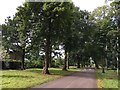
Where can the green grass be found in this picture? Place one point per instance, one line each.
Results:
(109, 79)
(30, 77)
(0, 80)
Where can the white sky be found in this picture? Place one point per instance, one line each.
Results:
(88, 4)
(8, 7)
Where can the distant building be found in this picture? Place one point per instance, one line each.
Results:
(15, 55)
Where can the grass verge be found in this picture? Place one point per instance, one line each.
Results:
(30, 77)
(109, 79)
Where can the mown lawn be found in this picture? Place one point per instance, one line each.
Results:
(30, 77)
(109, 79)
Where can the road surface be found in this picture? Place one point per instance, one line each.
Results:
(82, 79)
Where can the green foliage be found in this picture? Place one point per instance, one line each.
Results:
(40, 28)
(57, 62)
(33, 63)
(105, 34)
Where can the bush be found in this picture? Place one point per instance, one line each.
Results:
(34, 63)
(56, 63)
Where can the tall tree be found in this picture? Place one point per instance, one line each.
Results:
(55, 16)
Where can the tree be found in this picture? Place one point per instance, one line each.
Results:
(105, 23)
(17, 33)
(81, 34)
(22, 19)
(54, 16)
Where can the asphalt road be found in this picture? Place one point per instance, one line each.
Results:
(83, 79)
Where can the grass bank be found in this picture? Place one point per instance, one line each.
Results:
(30, 77)
(109, 79)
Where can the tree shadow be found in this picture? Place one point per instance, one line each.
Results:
(61, 72)
(52, 72)
(109, 74)
(83, 74)
(34, 71)
(18, 76)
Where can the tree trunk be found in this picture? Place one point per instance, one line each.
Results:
(78, 65)
(65, 62)
(78, 61)
(106, 63)
(96, 64)
(23, 59)
(47, 58)
(50, 60)
(103, 69)
(47, 49)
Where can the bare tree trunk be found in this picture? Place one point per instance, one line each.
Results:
(68, 60)
(106, 63)
(50, 60)
(78, 61)
(47, 49)
(23, 59)
(96, 64)
(103, 65)
(46, 63)
(78, 64)
(103, 69)
(65, 62)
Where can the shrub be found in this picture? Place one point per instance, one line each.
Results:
(34, 63)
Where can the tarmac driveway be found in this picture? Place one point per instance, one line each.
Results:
(82, 79)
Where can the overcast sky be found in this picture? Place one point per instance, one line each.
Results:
(8, 7)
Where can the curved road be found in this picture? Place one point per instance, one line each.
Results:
(83, 79)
